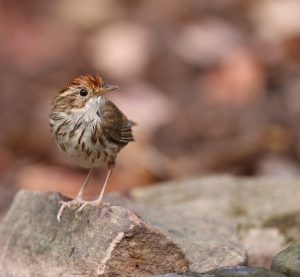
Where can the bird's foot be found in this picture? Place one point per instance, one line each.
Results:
(94, 203)
(72, 204)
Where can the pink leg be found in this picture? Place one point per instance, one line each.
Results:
(98, 201)
(78, 200)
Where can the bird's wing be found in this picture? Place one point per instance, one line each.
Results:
(115, 125)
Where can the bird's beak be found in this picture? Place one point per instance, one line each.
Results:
(107, 88)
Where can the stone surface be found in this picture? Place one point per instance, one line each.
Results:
(208, 244)
(239, 271)
(108, 241)
(255, 204)
(288, 261)
(187, 274)
(241, 199)
(261, 243)
(288, 224)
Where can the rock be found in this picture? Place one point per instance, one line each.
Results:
(208, 244)
(287, 261)
(261, 244)
(187, 274)
(252, 203)
(288, 224)
(108, 241)
(245, 200)
(239, 271)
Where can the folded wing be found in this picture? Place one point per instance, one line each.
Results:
(115, 125)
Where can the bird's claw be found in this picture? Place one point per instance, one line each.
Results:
(94, 203)
(67, 204)
(78, 202)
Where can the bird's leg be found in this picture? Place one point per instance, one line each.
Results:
(98, 201)
(78, 200)
(80, 193)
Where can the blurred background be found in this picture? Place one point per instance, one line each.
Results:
(213, 85)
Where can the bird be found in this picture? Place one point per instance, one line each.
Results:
(89, 129)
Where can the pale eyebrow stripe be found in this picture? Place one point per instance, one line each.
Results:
(67, 92)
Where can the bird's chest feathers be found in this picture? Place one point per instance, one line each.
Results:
(79, 134)
(80, 125)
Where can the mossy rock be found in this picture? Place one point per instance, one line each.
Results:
(288, 261)
(288, 224)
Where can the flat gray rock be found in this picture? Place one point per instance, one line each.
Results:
(239, 271)
(288, 261)
(246, 200)
(265, 209)
(208, 244)
(108, 241)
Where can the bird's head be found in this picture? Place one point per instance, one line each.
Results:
(79, 91)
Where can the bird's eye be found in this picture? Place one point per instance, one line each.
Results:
(83, 92)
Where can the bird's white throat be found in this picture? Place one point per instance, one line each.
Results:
(91, 110)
